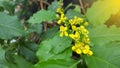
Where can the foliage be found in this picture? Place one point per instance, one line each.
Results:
(30, 34)
(102, 11)
(42, 15)
(10, 27)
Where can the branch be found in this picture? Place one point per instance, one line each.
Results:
(82, 7)
(46, 3)
(41, 4)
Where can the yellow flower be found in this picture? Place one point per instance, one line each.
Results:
(79, 44)
(78, 51)
(59, 22)
(74, 27)
(59, 10)
(63, 31)
(86, 40)
(83, 30)
(82, 27)
(75, 36)
(80, 20)
(79, 33)
(62, 18)
(71, 22)
(90, 53)
(86, 24)
(73, 48)
(86, 49)
(58, 16)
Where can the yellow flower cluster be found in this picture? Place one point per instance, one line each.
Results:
(75, 29)
(61, 16)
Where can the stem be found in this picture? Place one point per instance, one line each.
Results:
(75, 63)
(41, 4)
(46, 3)
(82, 7)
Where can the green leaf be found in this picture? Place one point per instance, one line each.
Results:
(8, 5)
(35, 28)
(74, 12)
(3, 63)
(10, 27)
(53, 7)
(28, 50)
(42, 15)
(101, 35)
(77, 8)
(56, 53)
(57, 64)
(20, 62)
(105, 56)
(49, 33)
(51, 47)
(1, 1)
(101, 11)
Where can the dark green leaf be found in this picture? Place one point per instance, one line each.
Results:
(28, 50)
(49, 33)
(10, 27)
(35, 28)
(20, 62)
(8, 5)
(3, 63)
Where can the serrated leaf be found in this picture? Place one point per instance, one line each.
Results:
(52, 47)
(42, 15)
(105, 56)
(102, 34)
(10, 27)
(53, 7)
(101, 11)
(56, 53)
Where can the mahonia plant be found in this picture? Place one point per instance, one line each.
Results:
(76, 30)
